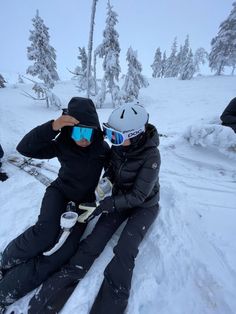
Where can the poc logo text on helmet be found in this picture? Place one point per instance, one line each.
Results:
(134, 133)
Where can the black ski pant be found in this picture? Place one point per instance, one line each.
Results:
(41, 236)
(23, 264)
(114, 291)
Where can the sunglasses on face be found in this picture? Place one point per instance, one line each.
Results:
(117, 138)
(80, 132)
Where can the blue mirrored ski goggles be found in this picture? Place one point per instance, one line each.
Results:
(82, 132)
(117, 138)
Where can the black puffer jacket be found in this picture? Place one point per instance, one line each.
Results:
(134, 171)
(80, 167)
(228, 117)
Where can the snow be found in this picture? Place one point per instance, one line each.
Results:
(212, 135)
(186, 263)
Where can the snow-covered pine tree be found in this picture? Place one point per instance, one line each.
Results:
(188, 68)
(83, 59)
(101, 96)
(157, 64)
(223, 46)
(200, 57)
(183, 57)
(43, 55)
(172, 66)
(134, 80)
(2, 81)
(163, 65)
(109, 50)
(81, 70)
(179, 59)
(81, 73)
(82, 67)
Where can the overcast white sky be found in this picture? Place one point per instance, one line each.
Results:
(143, 24)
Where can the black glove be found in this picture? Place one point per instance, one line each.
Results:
(107, 205)
(3, 176)
(94, 209)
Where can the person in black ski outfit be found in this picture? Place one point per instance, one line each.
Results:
(134, 172)
(228, 116)
(76, 139)
(3, 175)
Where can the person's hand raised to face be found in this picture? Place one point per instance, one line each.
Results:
(64, 120)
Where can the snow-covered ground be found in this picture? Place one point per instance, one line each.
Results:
(187, 262)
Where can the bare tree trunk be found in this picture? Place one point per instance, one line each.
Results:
(95, 73)
(90, 46)
(233, 69)
(47, 101)
(220, 68)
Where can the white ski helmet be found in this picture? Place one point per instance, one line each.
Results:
(128, 117)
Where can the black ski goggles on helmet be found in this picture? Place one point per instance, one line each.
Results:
(116, 137)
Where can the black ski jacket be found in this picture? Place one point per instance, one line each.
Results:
(228, 117)
(134, 171)
(80, 167)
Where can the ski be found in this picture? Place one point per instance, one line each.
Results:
(30, 169)
(36, 163)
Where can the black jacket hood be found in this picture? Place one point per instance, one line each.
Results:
(152, 135)
(83, 109)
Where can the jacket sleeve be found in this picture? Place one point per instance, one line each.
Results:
(108, 168)
(39, 142)
(108, 171)
(143, 186)
(229, 114)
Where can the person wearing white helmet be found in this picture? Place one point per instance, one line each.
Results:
(134, 174)
(125, 123)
